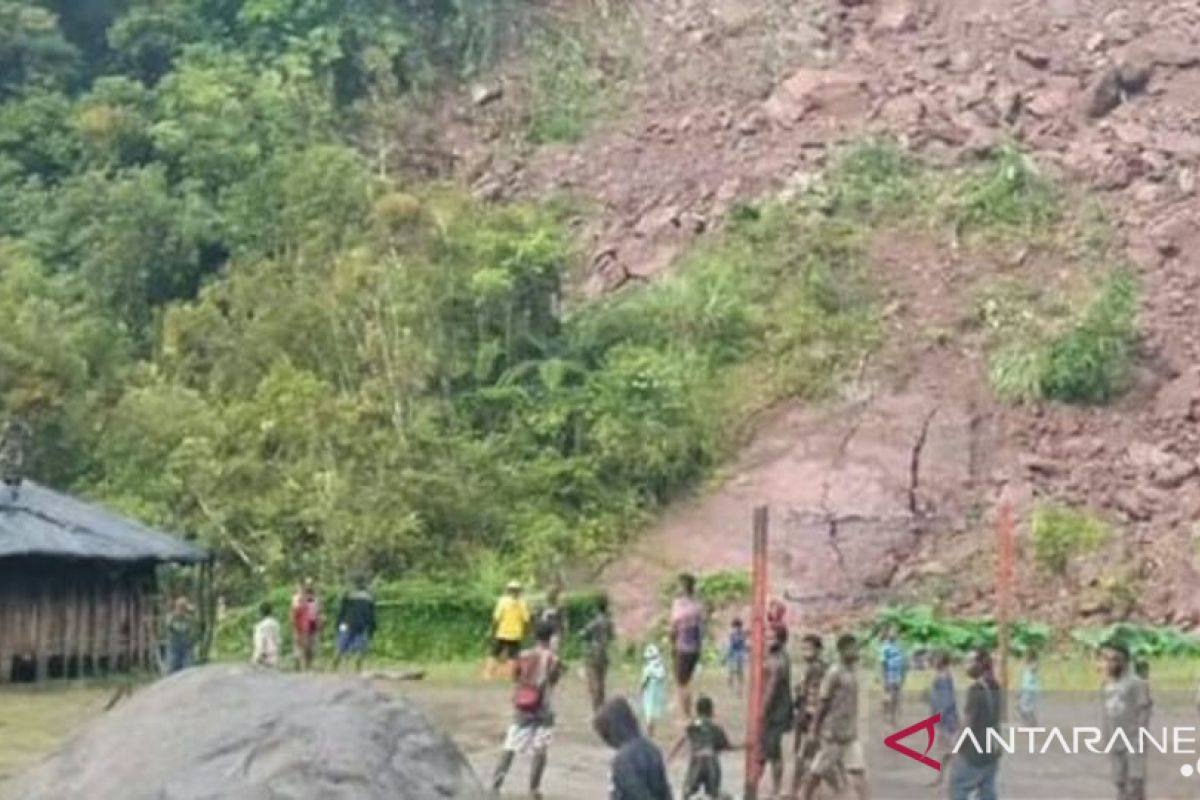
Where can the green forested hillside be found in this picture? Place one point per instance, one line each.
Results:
(216, 314)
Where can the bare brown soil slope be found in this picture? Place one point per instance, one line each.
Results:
(894, 488)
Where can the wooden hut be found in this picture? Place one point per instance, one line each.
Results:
(78, 586)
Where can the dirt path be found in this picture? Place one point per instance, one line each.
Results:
(578, 767)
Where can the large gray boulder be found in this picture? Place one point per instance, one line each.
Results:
(237, 733)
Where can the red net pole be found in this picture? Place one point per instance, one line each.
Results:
(1005, 548)
(758, 649)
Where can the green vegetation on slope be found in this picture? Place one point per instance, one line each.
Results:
(218, 316)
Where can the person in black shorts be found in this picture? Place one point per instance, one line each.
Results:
(777, 711)
(687, 635)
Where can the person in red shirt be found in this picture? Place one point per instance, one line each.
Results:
(306, 623)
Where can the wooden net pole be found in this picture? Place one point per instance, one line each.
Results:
(758, 642)
(1004, 578)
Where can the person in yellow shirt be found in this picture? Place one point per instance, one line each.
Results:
(510, 620)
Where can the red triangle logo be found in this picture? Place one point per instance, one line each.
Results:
(893, 742)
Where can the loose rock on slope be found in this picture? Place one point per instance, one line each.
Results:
(236, 733)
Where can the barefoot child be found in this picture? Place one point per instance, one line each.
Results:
(736, 653)
(706, 741)
(653, 688)
(1031, 688)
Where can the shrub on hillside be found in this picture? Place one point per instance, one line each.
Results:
(1061, 533)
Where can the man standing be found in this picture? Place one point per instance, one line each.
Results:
(509, 621)
(976, 766)
(807, 701)
(552, 614)
(687, 635)
(777, 706)
(306, 624)
(837, 726)
(1126, 708)
(597, 635)
(894, 664)
(355, 624)
(537, 673)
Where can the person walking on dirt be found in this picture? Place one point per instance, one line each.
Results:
(1031, 690)
(687, 635)
(537, 673)
(306, 624)
(553, 615)
(597, 637)
(509, 623)
(777, 707)
(355, 624)
(944, 702)
(837, 726)
(266, 639)
(181, 624)
(1126, 708)
(893, 662)
(807, 696)
(638, 771)
(706, 740)
(976, 767)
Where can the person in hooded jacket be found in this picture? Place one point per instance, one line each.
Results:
(638, 769)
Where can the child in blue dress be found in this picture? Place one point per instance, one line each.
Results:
(653, 688)
(1031, 688)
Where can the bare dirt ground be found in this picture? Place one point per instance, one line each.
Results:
(740, 99)
(476, 715)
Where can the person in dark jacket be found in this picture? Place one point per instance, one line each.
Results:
(638, 770)
(355, 624)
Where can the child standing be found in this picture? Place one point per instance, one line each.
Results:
(942, 701)
(266, 639)
(653, 688)
(706, 741)
(737, 652)
(1031, 687)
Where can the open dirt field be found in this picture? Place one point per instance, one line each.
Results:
(32, 722)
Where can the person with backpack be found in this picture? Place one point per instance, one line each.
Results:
(537, 672)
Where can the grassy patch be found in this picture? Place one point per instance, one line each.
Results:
(576, 76)
(1007, 195)
(1049, 350)
(1061, 533)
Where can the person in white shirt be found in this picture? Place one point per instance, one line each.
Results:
(266, 639)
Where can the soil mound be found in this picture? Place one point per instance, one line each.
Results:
(237, 733)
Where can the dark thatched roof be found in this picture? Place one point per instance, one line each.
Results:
(42, 522)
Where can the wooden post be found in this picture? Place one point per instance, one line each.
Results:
(9, 629)
(1004, 577)
(41, 644)
(70, 622)
(758, 641)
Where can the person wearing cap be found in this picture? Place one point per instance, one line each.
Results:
(510, 620)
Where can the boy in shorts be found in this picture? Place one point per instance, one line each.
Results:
(537, 673)
(706, 741)
(837, 726)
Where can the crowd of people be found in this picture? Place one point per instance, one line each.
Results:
(819, 711)
(814, 700)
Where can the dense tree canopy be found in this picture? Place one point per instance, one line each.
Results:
(216, 315)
